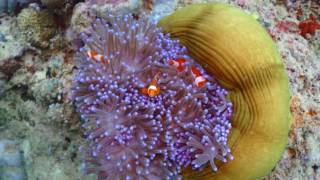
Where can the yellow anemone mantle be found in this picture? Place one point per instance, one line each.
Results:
(239, 53)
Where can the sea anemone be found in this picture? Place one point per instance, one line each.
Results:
(148, 108)
(239, 52)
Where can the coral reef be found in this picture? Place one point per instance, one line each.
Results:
(134, 89)
(147, 4)
(43, 131)
(9, 67)
(36, 26)
(162, 8)
(55, 3)
(7, 6)
(9, 42)
(4, 116)
(102, 2)
(10, 61)
(3, 84)
(46, 127)
(85, 13)
(300, 57)
(11, 161)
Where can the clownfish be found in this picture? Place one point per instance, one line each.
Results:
(179, 64)
(152, 89)
(97, 57)
(199, 80)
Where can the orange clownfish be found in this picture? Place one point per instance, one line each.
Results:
(153, 89)
(179, 63)
(199, 80)
(97, 57)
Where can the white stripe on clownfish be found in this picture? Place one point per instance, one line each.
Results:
(97, 57)
(178, 63)
(152, 89)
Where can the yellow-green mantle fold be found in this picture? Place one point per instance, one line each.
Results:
(239, 53)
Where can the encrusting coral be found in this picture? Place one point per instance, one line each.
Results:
(149, 109)
(241, 55)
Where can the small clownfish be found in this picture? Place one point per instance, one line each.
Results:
(97, 57)
(153, 89)
(179, 64)
(199, 80)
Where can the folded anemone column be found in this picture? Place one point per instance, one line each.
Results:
(236, 50)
